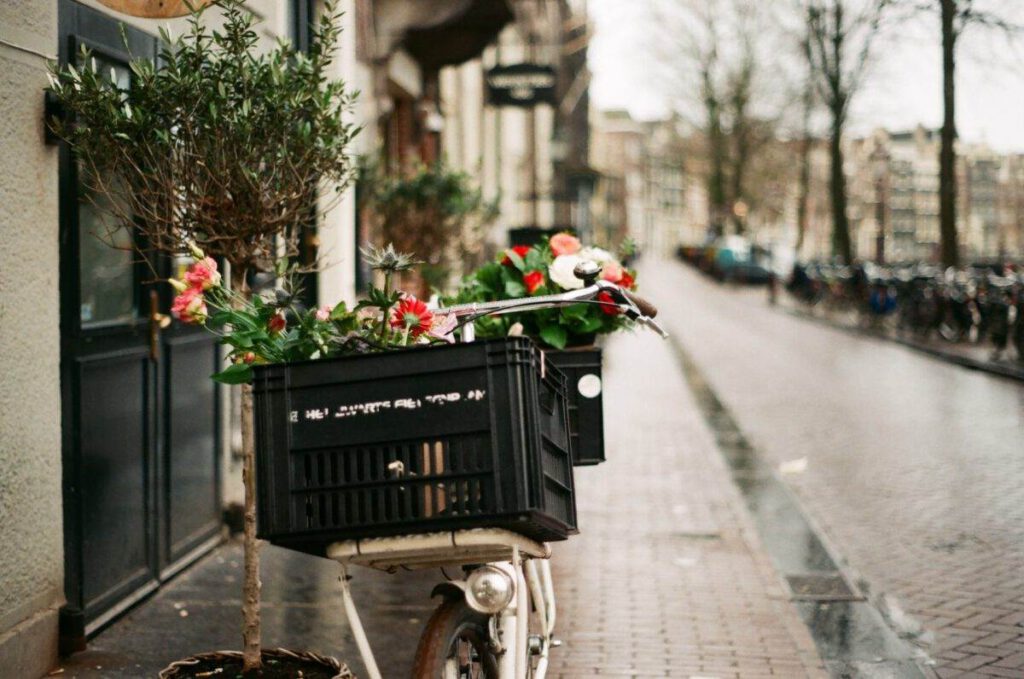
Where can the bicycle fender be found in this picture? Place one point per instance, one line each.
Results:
(453, 589)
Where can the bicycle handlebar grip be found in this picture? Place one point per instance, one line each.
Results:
(645, 307)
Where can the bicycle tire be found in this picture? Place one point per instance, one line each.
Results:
(451, 622)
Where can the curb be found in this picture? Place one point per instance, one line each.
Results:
(1005, 371)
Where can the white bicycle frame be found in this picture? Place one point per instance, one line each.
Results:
(524, 560)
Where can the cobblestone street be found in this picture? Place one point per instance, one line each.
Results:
(666, 579)
(910, 465)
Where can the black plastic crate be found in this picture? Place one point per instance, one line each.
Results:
(582, 368)
(420, 440)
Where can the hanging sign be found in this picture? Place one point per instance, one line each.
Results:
(521, 85)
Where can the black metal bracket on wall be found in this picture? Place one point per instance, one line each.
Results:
(52, 110)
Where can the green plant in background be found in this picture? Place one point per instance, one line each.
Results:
(547, 268)
(432, 210)
(223, 147)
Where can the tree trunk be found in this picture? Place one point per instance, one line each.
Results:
(716, 188)
(804, 189)
(841, 245)
(804, 181)
(251, 650)
(949, 251)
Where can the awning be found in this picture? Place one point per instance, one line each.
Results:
(459, 38)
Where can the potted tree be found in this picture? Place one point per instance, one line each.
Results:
(223, 151)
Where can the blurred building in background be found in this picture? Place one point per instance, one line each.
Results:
(427, 73)
(894, 195)
(619, 154)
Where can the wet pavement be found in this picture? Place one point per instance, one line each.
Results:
(912, 468)
(851, 635)
(668, 577)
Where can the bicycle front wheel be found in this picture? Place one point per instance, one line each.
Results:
(454, 645)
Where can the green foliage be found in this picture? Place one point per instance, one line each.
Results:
(224, 144)
(428, 211)
(505, 278)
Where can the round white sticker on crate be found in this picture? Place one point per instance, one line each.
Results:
(589, 386)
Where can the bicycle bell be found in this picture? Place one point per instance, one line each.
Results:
(587, 271)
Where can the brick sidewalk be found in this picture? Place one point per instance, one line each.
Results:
(667, 577)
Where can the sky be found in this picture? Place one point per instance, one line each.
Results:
(902, 88)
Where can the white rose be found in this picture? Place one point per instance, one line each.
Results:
(561, 272)
(596, 255)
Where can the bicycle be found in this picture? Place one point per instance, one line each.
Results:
(498, 621)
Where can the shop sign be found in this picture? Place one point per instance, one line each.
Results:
(521, 85)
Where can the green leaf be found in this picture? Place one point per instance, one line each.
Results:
(555, 335)
(339, 311)
(236, 373)
(516, 260)
(514, 289)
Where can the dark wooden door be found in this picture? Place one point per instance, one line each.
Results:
(139, 411)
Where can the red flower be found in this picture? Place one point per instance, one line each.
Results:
(533, 280)
(277, 323)
(627, 280)
(608, 299)
(520, 250)
(413, 315)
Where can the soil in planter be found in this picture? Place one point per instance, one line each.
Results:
(273, 668)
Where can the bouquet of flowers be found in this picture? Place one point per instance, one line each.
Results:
(271, 327)
(547, 268)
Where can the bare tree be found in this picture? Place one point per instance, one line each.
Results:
(711, 55)
(841, 34)
(807, 102)
(955, 18)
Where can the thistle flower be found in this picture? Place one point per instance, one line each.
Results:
(388, 259)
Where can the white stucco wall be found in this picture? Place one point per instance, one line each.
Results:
(31, 553)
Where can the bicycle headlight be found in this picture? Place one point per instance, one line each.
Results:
(489, 590)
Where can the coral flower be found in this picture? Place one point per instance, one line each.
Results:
(190, 307)
(564, 244)
(520, 250)
(413, 315)
(612, 271)
(533, 280)
(203, 274)
(627, 280)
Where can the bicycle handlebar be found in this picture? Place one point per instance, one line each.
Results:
(634, 306)
(645, 307)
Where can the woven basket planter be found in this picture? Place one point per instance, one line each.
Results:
(181, 669)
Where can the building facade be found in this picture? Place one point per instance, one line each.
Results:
(117, 458)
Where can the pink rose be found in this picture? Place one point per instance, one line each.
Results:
(323, 313)
(190, 307)
(612, 271)
(203, 274)
(564, 244)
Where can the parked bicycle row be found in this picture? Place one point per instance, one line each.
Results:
(981, 305)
